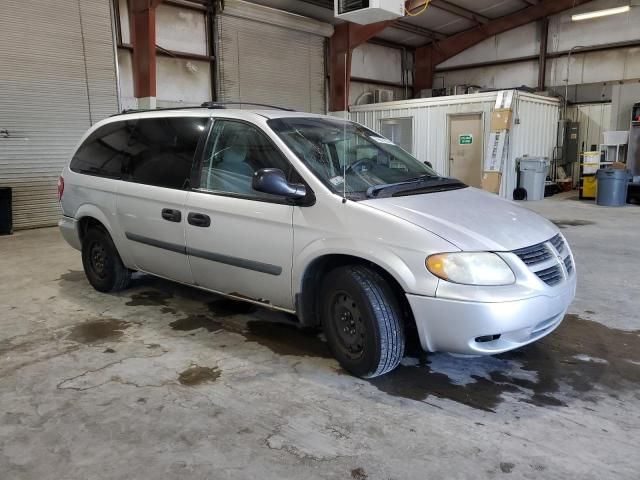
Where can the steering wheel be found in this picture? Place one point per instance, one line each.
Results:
(364, 162)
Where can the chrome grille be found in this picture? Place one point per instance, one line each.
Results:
(535, 254)
(568, 263)
(551, 276)
(547, 259)
(558, 243)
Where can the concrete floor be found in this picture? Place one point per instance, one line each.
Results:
(167, 382)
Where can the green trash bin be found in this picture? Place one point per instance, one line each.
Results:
(612, 187)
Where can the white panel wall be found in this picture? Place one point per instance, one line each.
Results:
(377, 66)
(521, 42)
(499, 76)
(181, 29)
(594, 67)
(376, 62)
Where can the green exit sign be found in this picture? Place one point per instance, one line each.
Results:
(466, 139)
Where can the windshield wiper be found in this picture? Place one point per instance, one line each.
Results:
(372, 192)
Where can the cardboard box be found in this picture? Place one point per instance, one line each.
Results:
(491, 181)
(501, 119)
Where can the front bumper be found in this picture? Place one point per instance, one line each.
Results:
(473, 328)
(70, 232)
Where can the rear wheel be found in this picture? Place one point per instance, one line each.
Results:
(102, 264)
(362, 321)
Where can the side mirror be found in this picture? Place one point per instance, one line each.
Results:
(428, 164)
(274, 182)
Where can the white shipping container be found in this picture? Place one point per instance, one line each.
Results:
(533, 132)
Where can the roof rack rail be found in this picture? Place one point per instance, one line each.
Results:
(141, 110)
(224, 105)
(210, 105)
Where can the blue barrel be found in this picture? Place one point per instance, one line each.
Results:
(612, 187)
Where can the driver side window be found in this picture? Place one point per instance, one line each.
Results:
(234, 152)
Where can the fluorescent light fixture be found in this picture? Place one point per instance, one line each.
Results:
(600, 13)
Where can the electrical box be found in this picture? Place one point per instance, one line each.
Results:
(366, 12)
(568, 141)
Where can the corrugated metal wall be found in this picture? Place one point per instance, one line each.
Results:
(269, 63)
(535, 135)
(56, 78)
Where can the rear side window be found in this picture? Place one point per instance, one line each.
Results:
(161, 150)
(103, 152)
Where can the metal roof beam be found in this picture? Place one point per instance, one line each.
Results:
(428, 56)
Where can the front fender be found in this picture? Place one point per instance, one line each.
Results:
(404, 265)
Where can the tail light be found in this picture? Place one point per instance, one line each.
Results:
(60, 188)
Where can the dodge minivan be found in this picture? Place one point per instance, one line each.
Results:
(319, 217)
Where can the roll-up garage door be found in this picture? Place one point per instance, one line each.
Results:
(273, 57)
(57, 77)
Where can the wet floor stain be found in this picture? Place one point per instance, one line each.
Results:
(149, 298)
(73, 276)
(572, 223)
(97, 331)
(506, 467)
(194, 322)
(286, 339)
(566, 364)
(227, 307)
(196, 375)
(359, 474)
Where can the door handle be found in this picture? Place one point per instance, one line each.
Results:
(199, 220)
(171, 215)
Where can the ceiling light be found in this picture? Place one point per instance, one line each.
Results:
(600, 13)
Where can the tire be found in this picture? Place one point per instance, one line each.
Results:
(102, 264)
(362, 320)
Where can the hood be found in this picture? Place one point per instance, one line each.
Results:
(471, 219)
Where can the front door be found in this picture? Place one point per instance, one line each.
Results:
(240, 241)
(466, 148)
(150, 204)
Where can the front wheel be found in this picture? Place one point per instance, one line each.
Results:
(102, 264)
(362, 320)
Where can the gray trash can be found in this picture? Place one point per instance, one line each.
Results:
(612, 187)
(533, 175)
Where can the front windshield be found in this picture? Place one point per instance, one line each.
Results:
(348, 157)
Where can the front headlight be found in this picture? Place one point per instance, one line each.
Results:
(471, 268)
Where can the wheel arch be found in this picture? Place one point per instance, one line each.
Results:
(307, 298)
(90, 215)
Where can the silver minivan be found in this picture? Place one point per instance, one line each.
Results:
(319, 217)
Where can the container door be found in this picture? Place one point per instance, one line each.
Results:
(466, 148)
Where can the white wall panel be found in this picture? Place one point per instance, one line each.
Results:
(505, 46)
(183, 82)
(181, 29)
(498, 76)
(376, 62)
(593, 67)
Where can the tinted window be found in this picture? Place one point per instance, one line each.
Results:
(235, 151)
(161, 150)
(102, 153)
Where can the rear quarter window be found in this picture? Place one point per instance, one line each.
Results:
(103, 152)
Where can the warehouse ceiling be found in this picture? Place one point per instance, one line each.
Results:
(442, 18)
